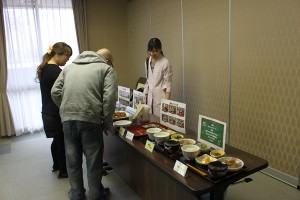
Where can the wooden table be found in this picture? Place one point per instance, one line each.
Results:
(151, 175)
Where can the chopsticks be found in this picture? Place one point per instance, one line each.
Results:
(197, 170)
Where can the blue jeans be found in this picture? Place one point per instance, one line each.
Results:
(87, 138)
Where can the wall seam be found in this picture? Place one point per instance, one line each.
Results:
(230, 70)
(182, 54)
(150, 23)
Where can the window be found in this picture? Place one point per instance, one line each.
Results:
(30, 27)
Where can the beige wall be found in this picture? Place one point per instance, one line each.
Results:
(266, 81)
(205, 29)
(257, 95)
(108, 28)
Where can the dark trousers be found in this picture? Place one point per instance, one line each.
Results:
(58, 153)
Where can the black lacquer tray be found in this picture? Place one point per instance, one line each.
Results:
(202, 168)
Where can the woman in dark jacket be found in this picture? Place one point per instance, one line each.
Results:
(47, 73)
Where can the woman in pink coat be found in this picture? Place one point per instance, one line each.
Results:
(159, 76)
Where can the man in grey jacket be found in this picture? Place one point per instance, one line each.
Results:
(86, 93)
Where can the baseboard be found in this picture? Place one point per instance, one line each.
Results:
(290, 180)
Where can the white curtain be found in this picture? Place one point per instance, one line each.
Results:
(30, 27)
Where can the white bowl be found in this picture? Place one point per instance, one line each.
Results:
(161, 137)
(187, 141)
(190, 151)
(151, 132)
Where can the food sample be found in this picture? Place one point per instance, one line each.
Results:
(119, 114)
(232, 163)
(205, 159)
(177, 136)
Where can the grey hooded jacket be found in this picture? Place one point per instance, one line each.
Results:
(86, 90)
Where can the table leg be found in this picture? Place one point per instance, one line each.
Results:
(219, 193)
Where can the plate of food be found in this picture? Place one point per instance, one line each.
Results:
(234, 164)
(205, 159)
(122, 123)
(120, 115)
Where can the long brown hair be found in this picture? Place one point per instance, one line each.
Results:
(60, 48)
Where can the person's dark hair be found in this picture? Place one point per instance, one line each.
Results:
(155, 44)
(60, 48)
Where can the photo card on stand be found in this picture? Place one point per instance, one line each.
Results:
(137, 98)
(123, 97)
(173, 115)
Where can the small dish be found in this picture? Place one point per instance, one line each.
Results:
(122, 123)
(171, 132)
(204, 148)
(205, 159)
(234, 164)
(217, 153)
(177, 137)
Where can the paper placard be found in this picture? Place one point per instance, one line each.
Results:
(122, 131)
(211, 132)
(129, 135)
(180, 168)
(149, 146)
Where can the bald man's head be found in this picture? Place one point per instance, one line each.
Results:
(106, 54)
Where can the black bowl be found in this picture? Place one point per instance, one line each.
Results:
(172, 146)
(217, 169)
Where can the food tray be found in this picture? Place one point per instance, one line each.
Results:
(208, 176)
(137, 130)
(202, 168)
(154, 125)
(140, 130)
(161, 149)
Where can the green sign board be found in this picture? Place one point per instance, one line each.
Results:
(212, 132)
